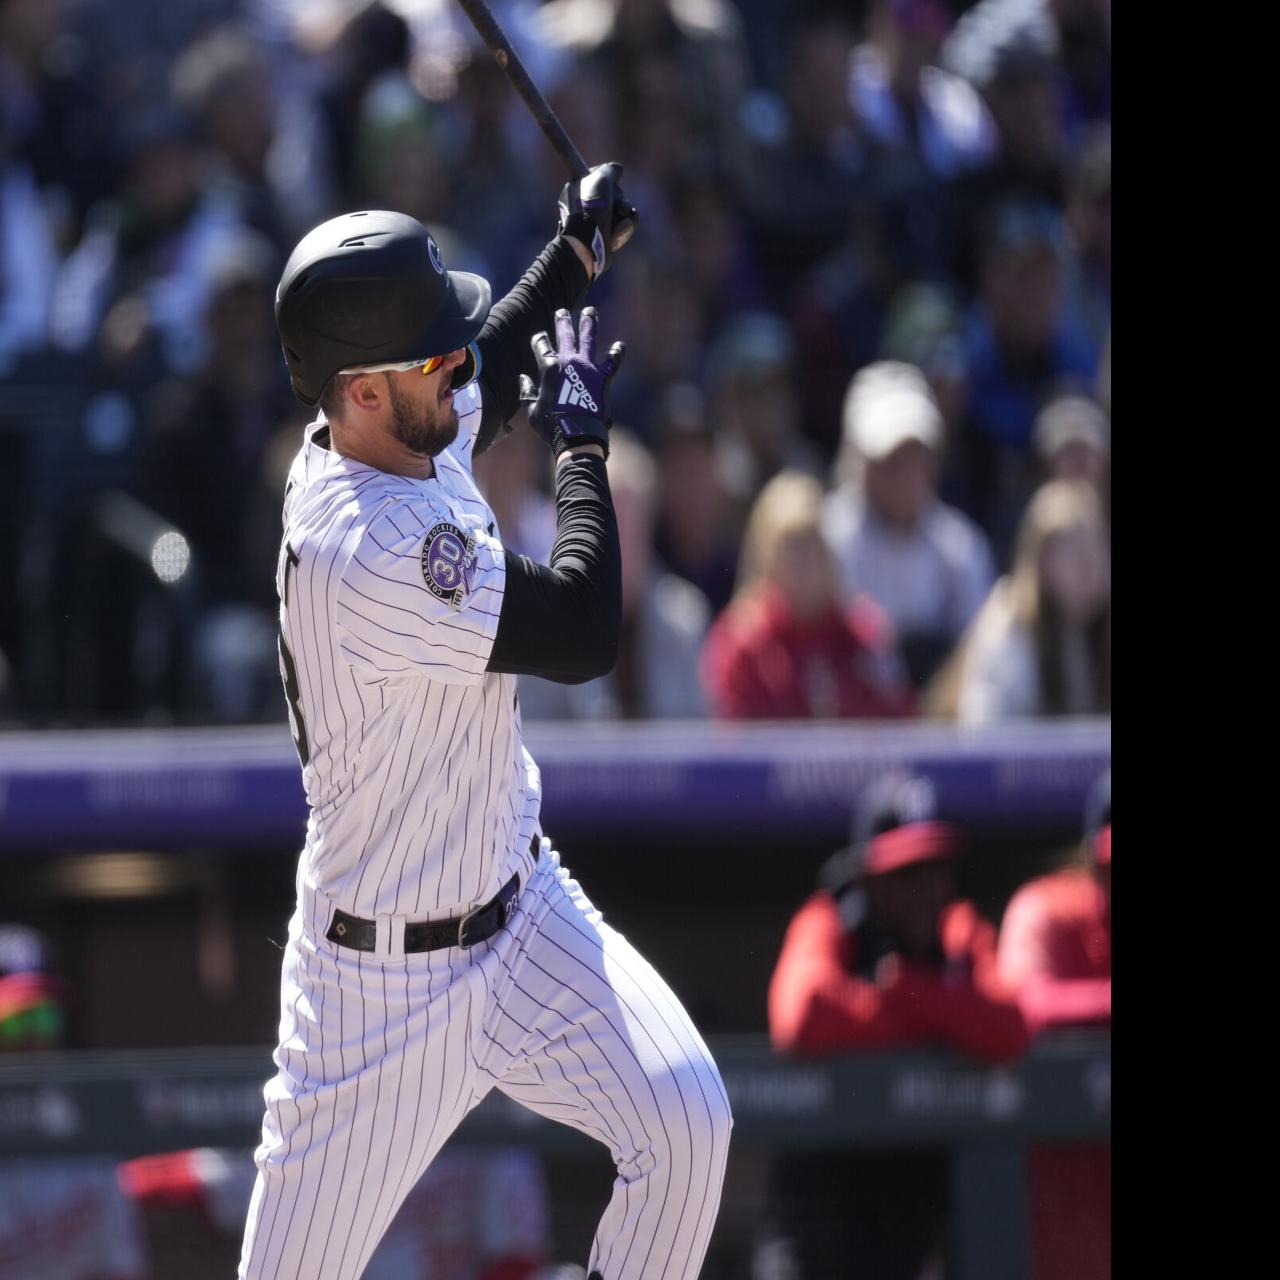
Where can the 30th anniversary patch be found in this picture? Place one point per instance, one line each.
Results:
(448, 563)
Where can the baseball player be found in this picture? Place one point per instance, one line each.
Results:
(439, 948)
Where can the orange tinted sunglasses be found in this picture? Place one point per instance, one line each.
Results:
(429, 365)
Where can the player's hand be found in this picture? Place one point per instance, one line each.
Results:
(570, 405)
(594, 211)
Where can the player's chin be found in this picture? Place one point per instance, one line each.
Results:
(446, 430)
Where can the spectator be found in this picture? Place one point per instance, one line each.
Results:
(218, 497)
(1020, 351)
(52, 121)
(803, 161)
(665, 331)
(755, 407)
(1015, 69)
(720, 260)
(372, 41)
(664, 619)
(31, 998)
(134, 291)
(1055, 952)
(693, 537)
(1088, 283)
(924, 327)
(403, 157)
(1084, 45)
(223, 82)
(909, 103)
(492, 196)
(787, 647)
(1041, 644)
(28, 265)
(1073, 36)
(923, 562)
(678, 68)
(885, 955)
(1073, 441)
(1055, 943)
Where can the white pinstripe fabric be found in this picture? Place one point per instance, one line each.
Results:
(379, 1061)
(420, 789)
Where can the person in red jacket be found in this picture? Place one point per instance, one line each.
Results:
(885, 955)
(786, 647)
(891, 956)
(1055, 952)
(1055, 942)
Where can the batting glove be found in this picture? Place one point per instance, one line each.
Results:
(570, 405)
(593, 210)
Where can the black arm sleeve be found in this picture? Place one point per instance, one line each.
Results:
(556, 278)
(561, 621)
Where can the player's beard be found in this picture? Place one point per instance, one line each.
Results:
(421, 429)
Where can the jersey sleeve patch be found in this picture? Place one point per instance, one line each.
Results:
(421, 594)
(449, 563)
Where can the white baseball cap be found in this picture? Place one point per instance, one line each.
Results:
(887, 404)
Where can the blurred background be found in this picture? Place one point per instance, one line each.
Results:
(849, 785)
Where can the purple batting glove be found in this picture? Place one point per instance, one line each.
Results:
(570, 405)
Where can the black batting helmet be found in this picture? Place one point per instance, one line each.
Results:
(371, 288)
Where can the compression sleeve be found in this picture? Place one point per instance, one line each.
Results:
(556, 278)
(561, 621)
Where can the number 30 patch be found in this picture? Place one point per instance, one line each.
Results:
(448, 563)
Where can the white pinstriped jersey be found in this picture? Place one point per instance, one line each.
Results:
(423, 800)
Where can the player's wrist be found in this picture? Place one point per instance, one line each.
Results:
(580, 451)
(583, 253)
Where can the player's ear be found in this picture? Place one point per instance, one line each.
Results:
(365, 391)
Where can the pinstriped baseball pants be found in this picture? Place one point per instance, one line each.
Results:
(380, 1058)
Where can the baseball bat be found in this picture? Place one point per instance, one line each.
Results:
(494, 36)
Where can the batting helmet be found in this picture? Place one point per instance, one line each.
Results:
(371, 288)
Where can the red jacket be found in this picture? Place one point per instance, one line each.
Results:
(817, 1004)
(760, 662)
(1055, 951)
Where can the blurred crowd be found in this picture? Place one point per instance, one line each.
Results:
(862, 466)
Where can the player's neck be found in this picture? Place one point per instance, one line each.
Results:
(383, 452)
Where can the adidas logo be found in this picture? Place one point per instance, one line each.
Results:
(574, 394)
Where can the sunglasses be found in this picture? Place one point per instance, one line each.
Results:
(429, 365)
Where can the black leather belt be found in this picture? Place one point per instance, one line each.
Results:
(462, 931)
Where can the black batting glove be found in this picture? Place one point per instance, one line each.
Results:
(594, 210)
(570, 405)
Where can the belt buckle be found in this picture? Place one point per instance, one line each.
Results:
(466, 920)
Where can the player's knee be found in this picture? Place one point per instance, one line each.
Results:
(708, 1116)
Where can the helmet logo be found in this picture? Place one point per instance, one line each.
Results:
(433, 252)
